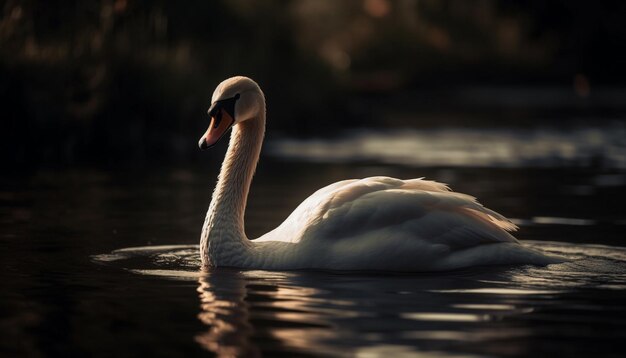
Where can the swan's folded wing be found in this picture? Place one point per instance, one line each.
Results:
(420, 209)
(425, 209)
(312, 210)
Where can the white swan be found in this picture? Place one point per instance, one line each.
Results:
(377, 223)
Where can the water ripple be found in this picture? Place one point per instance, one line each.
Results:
(430, 314)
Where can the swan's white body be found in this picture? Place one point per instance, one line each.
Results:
(377, 223)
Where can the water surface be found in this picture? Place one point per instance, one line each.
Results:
(86, 273)
(503, 311)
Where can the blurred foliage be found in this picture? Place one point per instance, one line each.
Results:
(129, 80)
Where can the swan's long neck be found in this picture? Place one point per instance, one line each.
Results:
(223, 240)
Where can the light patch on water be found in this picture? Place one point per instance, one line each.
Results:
(156, 248)
(501, 291)
(513, 147)
(445, 317)
(108, 257)
(465, 336)
(171, 274)
(165, 250)
(400, 351)
(478, 306)
(561, 221)
(550, 220)
(252, 274)
(438, 335)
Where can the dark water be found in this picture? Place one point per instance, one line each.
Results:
(68, 289)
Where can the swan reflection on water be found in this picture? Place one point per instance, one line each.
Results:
(224, 310)
(227, 297)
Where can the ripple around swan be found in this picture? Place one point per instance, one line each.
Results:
(588, 264)
(440, 314)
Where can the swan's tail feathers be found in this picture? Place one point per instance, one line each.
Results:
(498, 220)
(468, 205)
(505, 223)
(468, 202)
(489, 217)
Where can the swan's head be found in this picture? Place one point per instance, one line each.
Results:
(235, 100)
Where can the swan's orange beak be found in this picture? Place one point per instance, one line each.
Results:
(221, 121)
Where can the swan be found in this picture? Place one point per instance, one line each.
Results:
(377, 223)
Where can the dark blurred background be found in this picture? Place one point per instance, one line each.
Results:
(127, 82)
